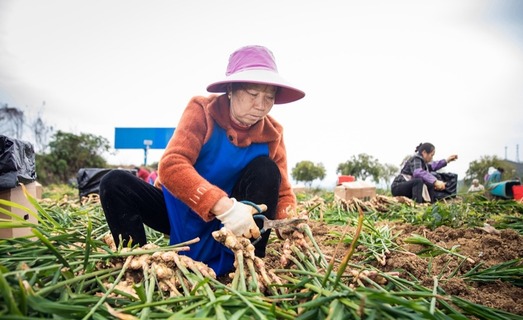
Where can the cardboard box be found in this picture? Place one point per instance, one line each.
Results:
(16, 195)
(357, 189)
(39, 190)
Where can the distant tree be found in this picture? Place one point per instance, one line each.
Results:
(14, 124)
(388, 172)
(362, 167)
(11, 122)
(479, 168)
(68, 153)
(306, 172)
(41, 131)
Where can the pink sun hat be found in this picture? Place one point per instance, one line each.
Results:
(256, 64)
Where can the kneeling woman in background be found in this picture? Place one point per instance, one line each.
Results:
(415, 180)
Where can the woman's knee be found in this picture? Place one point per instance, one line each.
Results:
(260, 181)
(115, 179)
(394, 190)
(265, 168)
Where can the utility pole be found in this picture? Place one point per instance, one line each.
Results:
(517, 153)
(505, 152)
(147, 145)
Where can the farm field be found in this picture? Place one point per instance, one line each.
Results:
(385, 258)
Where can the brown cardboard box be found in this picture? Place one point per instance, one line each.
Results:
(16, 195)
(357, 189)
(39, 190)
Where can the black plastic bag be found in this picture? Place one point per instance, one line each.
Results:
(451, 185)
(89, 179)
(17, 162)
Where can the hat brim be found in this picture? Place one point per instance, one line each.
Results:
(286, 92)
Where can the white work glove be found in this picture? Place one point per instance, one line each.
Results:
(239, 219)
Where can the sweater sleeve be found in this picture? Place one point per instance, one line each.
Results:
(419, 171)
(176, 168)
(436, 165)
(287, 199)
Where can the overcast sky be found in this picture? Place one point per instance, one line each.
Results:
(380, 76)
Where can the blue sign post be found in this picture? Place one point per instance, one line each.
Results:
(142, 138)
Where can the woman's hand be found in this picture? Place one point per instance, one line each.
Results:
(439, 185)
(452, 158)
(238, 218)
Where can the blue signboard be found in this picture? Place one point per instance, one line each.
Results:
(142, 138)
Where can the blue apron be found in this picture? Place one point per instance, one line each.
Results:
(221, 163)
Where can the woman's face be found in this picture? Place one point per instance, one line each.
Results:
(427, 156)
(251, 102)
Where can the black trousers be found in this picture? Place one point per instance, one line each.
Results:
(412, 189)
(129, 202)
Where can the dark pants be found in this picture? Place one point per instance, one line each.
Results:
(129, 202)
(412, 189)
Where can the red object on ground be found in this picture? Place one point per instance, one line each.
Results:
(342, 179)
(518, 192)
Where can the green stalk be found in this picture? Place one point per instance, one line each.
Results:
(49, 245)
(331, 264)
(87, 244)
(210, 293)
(298, 264)
(39, 269)
(417, 239)
(59, 285)
(18, 222)
(199, 304)
(106, 294)
(310, 267)
(434, 292)
(510, 271)
(41, 211)
(14, 215)
(253, 284)
(150, 284)
(239, 269)
(187, 275)
(181, 280)
(307, 230)
(8, 295)
(483, 312)
(456, 270)
(352, 247)
(326, 294)
(182, 300)
(247, 303)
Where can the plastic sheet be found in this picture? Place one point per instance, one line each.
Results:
(89, 179)
(17, 162)
(451, 185)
